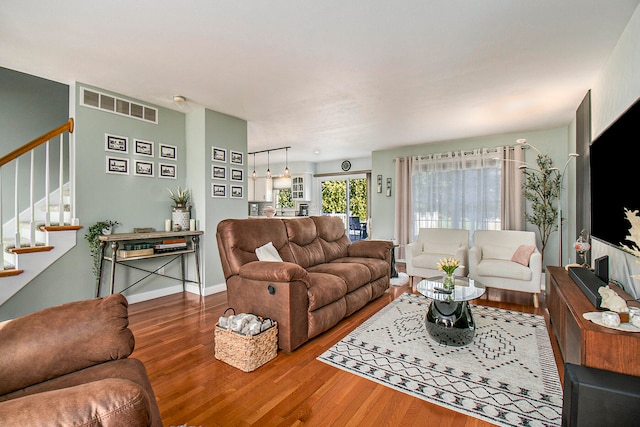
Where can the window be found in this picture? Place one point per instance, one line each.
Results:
(283, 198)
(456, 190)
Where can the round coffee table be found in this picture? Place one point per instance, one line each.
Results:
(449, 320)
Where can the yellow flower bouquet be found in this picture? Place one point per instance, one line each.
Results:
(448, 265)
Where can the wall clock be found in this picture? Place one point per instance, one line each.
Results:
(346, 165)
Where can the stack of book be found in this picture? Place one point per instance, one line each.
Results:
(135, 249)
(171, 245)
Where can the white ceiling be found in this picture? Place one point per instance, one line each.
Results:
(341, 77)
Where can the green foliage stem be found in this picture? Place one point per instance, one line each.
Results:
(542, 189)
(92, 236)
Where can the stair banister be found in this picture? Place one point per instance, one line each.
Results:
(68, 126)
(15, 155)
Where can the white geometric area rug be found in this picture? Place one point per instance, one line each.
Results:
(506, 376)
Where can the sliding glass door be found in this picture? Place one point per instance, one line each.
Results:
(346, 197)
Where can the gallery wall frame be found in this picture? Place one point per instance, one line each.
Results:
(168, 152)
(236, 157)
(143, 168)
(237, 175)
(219, 172)
(117, 165)
(116, 143)
(143, 148)
(218, 190)
(167, 170)
(218, 154)
(379, 188)
(236, 192)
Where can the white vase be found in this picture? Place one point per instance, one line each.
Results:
(181, 216)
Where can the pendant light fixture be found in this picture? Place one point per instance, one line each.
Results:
(268, 170)
(253, 174)
(287, 174)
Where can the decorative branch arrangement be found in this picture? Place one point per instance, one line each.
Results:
(634, 235)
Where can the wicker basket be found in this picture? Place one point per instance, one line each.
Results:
(246, 352)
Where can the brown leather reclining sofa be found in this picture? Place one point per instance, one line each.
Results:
(68, 365)
(323, 277)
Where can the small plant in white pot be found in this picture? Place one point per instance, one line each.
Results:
(181, 211)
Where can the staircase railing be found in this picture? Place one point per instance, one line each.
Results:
(19, 188)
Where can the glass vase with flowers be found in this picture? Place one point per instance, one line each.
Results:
(448, 266)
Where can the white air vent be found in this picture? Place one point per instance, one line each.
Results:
(112, 104)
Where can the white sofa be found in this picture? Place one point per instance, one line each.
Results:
(434, 244)
(491, 261)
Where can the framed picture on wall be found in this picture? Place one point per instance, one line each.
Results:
(218, 172)
(116, 144)
(236, 157)
(219, 190)
(167, 171)
(143, 168)
(237, 175)
(236, 192)
(143, 148)
(117, 165)
(169, 152)
(218, 155)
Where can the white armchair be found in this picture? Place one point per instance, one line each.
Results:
(434, 244)
(506, 259)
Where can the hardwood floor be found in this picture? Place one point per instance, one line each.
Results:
(174, 339)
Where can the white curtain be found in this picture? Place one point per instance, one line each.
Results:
(512, 194)
(403, 205)
(457, 190)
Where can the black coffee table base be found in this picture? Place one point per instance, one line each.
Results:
(450, 323)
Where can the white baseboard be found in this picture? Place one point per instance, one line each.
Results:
(192, 288)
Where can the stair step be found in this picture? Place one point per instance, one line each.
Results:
(10, 272)
(59, 227)
(30, 249)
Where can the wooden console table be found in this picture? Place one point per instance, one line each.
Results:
(581, 341)
(116, 239)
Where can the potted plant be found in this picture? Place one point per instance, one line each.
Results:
(180, 197)
(93, 237)
(542, 189)
(181, 211)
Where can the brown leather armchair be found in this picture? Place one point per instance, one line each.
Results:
(69, 365)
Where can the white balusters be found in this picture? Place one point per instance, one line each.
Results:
(47, 186)
(32, 213)
(16, 208)
(61, 183)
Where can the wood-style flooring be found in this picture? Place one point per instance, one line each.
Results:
(174, 340)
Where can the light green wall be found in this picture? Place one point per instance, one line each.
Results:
(206, 129)
(29, 107)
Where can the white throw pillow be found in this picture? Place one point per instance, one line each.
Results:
(268, 252)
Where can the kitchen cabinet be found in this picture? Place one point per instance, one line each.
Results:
(301, 187)
(260, 190)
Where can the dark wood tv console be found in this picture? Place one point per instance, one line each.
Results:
(581, 341)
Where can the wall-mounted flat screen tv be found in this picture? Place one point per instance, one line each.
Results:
(615, 177)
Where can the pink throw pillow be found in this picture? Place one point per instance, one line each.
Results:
(522, 254)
